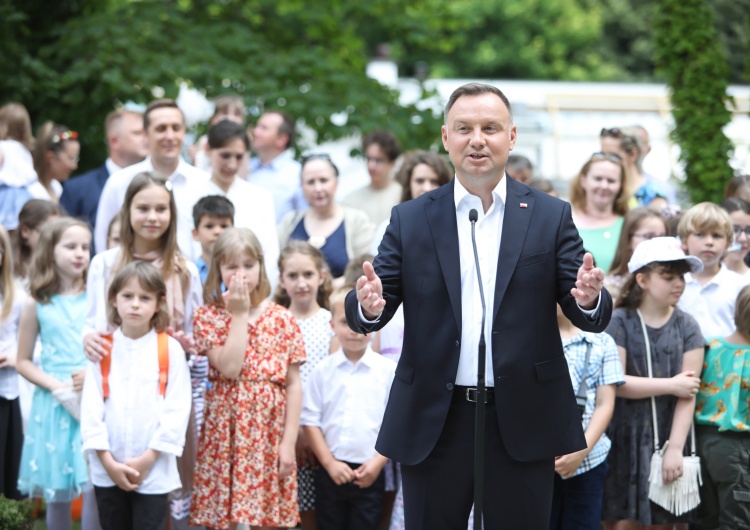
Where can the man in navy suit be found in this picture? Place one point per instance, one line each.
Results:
(530, 258)
(126, 144)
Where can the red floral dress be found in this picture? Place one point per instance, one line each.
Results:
(236, 474)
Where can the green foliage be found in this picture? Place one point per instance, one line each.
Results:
(511, 39)
(689, 55)
(275, 53)
(15, 515)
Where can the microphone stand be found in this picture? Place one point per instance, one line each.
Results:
(479, 428)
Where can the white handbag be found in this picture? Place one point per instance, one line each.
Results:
(681, 495)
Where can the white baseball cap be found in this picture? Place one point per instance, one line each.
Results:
(661, 249)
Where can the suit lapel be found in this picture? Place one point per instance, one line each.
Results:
(516, 221)
(441, 217)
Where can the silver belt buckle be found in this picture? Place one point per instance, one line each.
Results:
(468, 395)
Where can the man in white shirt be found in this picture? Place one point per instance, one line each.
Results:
(126, 145)
(274, 168)
(165, 134)
(531, 258)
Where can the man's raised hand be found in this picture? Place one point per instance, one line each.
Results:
(589, 283)
(370, 292)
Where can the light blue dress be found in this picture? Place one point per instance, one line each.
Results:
(53, 466)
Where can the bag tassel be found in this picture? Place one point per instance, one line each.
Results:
(681, 495)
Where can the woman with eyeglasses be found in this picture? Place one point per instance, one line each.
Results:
(640, 224)
(340, 232)
(55, 157)
(625, 143)
(736, 256)
(600, 201)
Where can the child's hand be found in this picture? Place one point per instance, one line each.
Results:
(566, 465)
(124, 476)
(671, 467)
(340, 472)
(685, 384)
(93, 346)
(366, 474)
(286, 460)
(3, 360)
(237, 297)
(78, 378)
(305, 454)
(185, 340)
(142, 464)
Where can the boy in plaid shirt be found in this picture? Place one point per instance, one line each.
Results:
(579, 477)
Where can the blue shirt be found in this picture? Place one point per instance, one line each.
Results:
(281, 177)
(202, 269)
(604, 368)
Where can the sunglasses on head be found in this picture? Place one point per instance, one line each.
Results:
(602, 155)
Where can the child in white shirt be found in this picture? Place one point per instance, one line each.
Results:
(343, 405)
(136, 405)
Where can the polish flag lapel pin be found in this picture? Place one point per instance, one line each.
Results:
(524, 205)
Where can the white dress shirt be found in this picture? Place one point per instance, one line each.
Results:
(347, 402)
(253, 209)
(281, 177)
(186, 184)
(97, 284)
(489, 229)
(712, 304)
(136, 417)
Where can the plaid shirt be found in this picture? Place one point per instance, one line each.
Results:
(604, 368)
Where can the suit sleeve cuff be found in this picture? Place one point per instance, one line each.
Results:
(590, 313)
(365, 321)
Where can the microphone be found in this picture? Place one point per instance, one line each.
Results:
(481, 391)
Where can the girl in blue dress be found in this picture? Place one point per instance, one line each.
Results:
(52, 464)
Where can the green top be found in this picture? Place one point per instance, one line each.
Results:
(602, 243)
(724, 395)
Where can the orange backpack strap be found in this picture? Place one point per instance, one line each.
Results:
(104, 365)
(163, 362)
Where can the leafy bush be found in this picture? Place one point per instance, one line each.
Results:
(15, 515)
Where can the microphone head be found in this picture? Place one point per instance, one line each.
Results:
(473, 215)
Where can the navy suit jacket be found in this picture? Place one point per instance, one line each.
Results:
(418, 264)
(80, 197)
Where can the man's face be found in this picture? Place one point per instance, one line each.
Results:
(165, 134)
(266, 133)
(379, 166)
(478, 136)
(129, 139)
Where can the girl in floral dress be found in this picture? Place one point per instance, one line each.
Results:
(246, 469)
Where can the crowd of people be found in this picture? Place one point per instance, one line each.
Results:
(174, 345)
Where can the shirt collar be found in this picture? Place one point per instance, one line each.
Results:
(366, 358)
(499, 193)
(181, 173)
(111, 166)
(255, 162)
(581, 336)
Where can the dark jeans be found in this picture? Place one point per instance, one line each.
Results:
(577, 501)
(128, 510)
(725, 469)
(347, 507)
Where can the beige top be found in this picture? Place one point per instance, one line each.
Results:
(376, 204)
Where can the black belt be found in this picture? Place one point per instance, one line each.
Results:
(469, 393)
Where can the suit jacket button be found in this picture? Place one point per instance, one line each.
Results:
(449, 386)
(458, 344)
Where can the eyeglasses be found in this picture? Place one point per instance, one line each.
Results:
(739, 230)
(376, 161)
(71, 159)
(646, 235)
(612, 157)
(316, 156)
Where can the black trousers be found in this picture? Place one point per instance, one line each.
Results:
(128, 510)
(11, 443)
(347, 507)
(439, 491)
